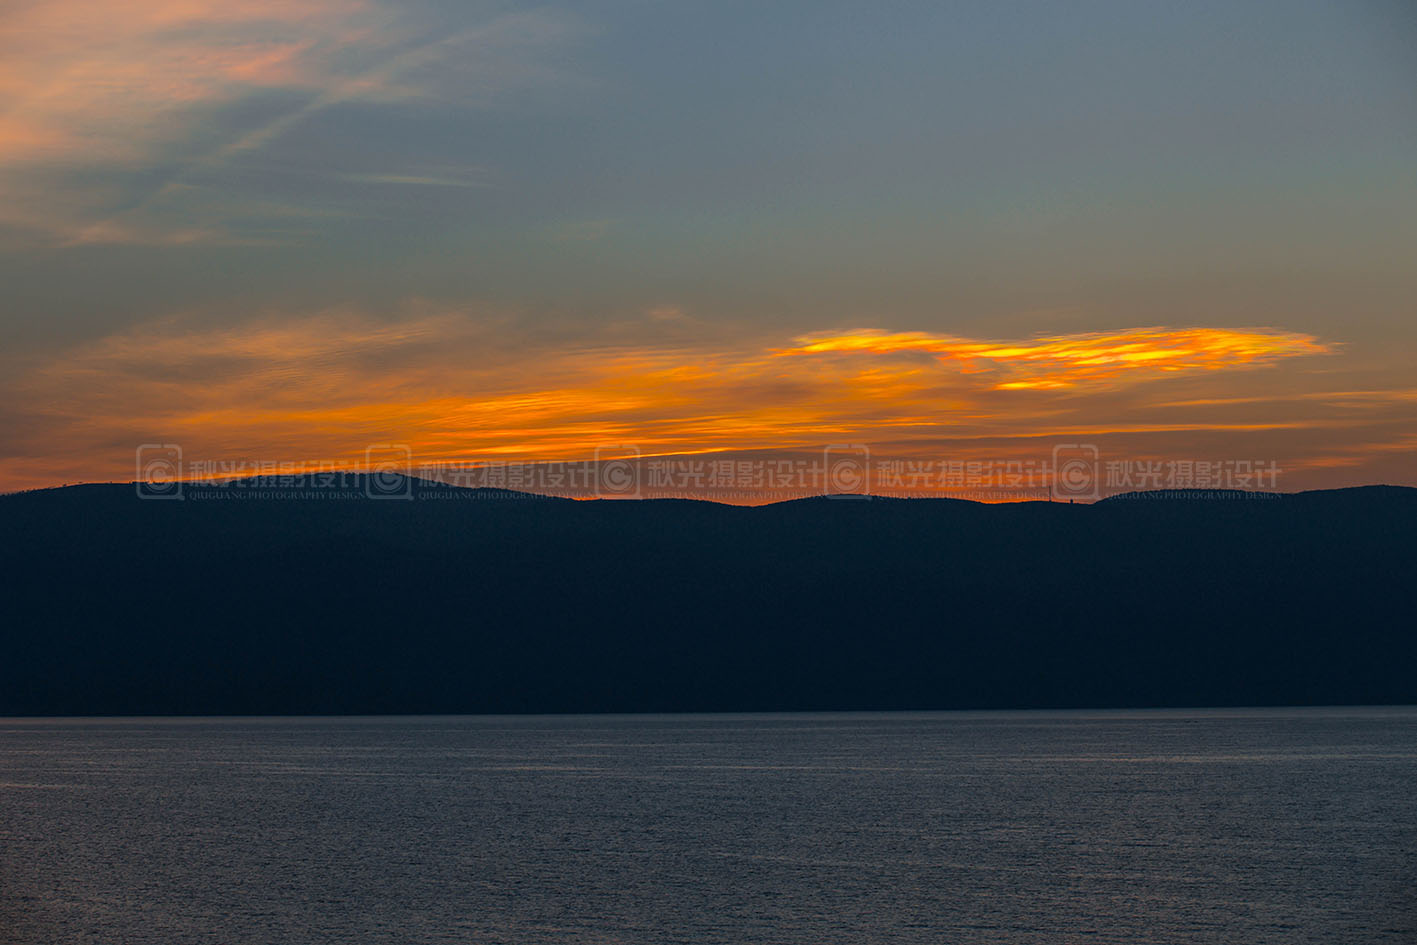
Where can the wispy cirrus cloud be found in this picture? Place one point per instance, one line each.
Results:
(99, 99)
(443, 177)
(88, 83)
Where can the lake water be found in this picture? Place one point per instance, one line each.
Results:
(1243, 826)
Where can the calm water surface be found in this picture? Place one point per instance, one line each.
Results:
(1238, 826)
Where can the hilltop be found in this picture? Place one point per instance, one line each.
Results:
(497, 601)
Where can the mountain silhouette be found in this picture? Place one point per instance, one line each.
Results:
(235, 601)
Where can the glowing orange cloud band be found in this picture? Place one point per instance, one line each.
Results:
(455, 388)
(1070, 360)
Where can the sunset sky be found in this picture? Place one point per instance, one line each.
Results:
(283, 230)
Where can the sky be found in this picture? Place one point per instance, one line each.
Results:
(285, 230)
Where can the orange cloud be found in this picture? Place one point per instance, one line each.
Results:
(457, 388)
(1073, 360)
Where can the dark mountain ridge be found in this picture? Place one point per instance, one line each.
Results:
(231, 601)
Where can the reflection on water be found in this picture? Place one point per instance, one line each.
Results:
(1243, 826)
